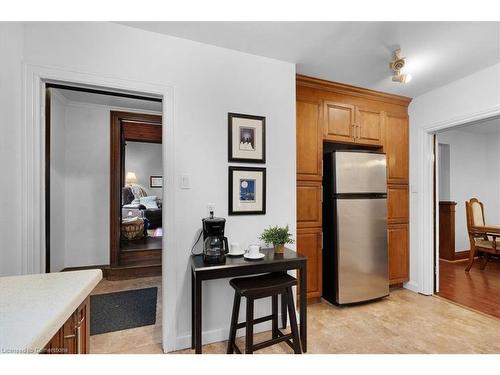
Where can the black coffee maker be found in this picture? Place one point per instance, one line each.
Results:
(215, 246)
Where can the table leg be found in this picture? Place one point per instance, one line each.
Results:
(192, 309)
(198, 314)
(303, 307)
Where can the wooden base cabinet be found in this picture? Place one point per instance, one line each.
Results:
(74, 336)
(310, 244)
(398, 251)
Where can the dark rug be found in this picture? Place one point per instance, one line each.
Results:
(122, 310)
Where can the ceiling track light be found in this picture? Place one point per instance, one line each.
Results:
(397, 64)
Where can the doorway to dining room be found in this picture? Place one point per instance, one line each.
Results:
(136, 188)
(467, 182)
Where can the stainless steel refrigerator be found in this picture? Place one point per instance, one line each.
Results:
(355, 267)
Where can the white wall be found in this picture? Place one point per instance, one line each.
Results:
(145, 159)
(57, 183)
(444, 172)
(87, 186)
(474, 173)
(466, 97)
(208, 82)
(11, 49)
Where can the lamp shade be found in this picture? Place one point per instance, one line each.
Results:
(130, 178)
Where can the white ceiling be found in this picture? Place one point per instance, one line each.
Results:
(356, 53)
(109, 100)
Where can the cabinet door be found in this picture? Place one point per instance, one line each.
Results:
(368, 126)
(83, 327)
(69, 335)
(338, 122)
(309, 198)
(309, 142)
(397, 240)
(309, 244)
(396, 148)
(397, 203)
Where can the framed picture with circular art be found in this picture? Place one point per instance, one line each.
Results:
(246, 138)
(247, 191)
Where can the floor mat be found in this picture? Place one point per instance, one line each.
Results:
(122, 310)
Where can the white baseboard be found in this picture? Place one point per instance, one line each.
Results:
(412, 286)
(217, 335)
(222, 334)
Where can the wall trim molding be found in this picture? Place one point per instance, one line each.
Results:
(33, 172)
(342, 88)
(424, 177)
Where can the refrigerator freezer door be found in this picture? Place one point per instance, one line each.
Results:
(361, 250)
(360, 172)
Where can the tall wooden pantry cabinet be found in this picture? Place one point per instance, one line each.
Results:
(342, 114)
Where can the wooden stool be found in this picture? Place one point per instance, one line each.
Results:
(256, 287)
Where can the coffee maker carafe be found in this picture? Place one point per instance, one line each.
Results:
(215, 246)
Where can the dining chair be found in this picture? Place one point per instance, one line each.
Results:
(484, 240)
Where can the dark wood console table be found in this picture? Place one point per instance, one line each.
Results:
(235, 267)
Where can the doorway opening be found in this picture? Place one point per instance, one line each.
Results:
(467, 167)
(79, 187)
(136, 200)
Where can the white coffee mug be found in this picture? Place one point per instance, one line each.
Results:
(234, 247)
(253, 250)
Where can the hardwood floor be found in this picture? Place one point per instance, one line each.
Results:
(404, 322)
(478, 290)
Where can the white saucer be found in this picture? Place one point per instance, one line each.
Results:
(258, 256)
(236, 253)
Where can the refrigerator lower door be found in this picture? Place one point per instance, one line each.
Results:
(362, 268)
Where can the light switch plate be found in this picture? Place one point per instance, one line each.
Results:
(185, 181)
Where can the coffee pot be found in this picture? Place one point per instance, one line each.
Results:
(215, 245)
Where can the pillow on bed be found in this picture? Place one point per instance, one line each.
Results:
(149, 201)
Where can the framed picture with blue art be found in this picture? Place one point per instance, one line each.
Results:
(247, 191)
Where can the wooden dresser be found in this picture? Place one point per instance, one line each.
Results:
(348, 115)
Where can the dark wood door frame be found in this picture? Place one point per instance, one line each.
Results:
(133, 127)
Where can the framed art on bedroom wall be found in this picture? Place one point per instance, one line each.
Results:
(246, 138)
(247, 191)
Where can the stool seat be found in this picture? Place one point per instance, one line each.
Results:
(262, 285)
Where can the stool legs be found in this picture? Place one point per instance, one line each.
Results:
(249, 327)
(283, 311)
(293, 321)
(274, 301)
(234, 322)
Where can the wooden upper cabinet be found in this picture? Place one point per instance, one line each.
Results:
(309, 204)
(338, 122)
(368, 126)
(396, 148)
(309, 144)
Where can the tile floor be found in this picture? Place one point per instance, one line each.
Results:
(404, 322)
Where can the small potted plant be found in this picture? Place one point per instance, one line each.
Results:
(278, 236)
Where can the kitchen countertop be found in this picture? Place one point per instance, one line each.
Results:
(34, 307)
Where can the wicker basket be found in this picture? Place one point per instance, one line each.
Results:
(133, 230)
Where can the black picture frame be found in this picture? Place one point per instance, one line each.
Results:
(155, 186)
(230, 135)
(231, 210)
